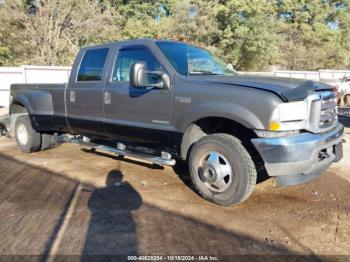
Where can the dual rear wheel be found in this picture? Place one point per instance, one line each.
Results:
(29, 140)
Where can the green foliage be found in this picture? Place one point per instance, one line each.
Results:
(312, 34)
(246, 33)
(251, 34)
(53, 32)
(4, 55)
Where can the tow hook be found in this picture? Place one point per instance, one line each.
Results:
(3, 129)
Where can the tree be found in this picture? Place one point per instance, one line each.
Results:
(312, 34)
(246, 33)
(54, 31)
(184, 20)
(251, 34)
(194, 23)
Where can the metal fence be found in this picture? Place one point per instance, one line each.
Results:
(55, 74)
(29, 74)
(321, 75)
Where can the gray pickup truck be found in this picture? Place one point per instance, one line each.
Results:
(164, 101)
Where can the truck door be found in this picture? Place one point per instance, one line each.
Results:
(132, 114)
(84, 94)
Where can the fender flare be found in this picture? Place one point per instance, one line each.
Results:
(235, 113)
(225, 110)
(22, 100)
(37, 103)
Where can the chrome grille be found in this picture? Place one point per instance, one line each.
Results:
(323, 115)
(328, 114)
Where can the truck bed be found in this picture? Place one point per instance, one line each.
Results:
(44, 102)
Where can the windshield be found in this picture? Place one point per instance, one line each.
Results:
(192, 60)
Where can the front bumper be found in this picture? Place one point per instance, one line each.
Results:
(297, 159)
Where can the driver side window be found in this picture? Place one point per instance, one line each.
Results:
(127, 57)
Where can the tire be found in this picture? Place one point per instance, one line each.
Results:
(28, 140)
(217, 154)
(46, 141)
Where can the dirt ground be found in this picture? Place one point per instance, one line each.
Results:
(73, 201)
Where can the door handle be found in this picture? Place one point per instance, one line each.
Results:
(107, 98)
(72, 96)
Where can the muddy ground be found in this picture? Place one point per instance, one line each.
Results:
(73, 201)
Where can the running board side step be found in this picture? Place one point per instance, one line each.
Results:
(164, 160)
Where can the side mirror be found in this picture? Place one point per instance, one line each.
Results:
(230, 67)
(140, 77)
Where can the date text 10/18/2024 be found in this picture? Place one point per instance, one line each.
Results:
(173, 258)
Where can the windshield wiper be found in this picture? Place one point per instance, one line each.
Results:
(202, 72)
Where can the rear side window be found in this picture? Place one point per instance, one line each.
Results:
(91, 67)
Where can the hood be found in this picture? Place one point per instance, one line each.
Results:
(288, 89)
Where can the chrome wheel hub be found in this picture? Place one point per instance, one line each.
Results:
(215, 171)
(22, 134)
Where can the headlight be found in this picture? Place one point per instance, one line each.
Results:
(289, 116)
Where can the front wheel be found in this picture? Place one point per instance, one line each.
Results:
(28, 140)
(222, 170)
